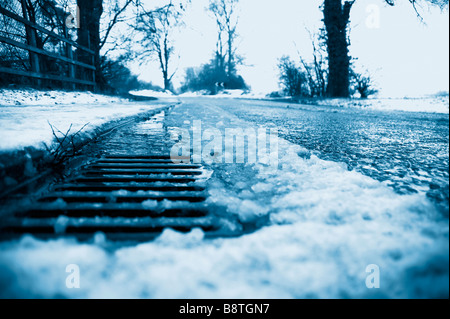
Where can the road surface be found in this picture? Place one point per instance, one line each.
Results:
(407, 150)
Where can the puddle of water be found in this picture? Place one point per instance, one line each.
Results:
(155, 124)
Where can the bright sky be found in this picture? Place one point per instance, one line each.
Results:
(406, 57)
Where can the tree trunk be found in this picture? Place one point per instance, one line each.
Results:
(89, 35)
(32, 41)
(230, 67)
(167, 84)
(164, 61)
(220, 56)
(336, 19)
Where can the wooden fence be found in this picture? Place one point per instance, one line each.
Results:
(34, 52)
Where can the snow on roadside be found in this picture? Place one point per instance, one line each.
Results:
(17, 97)
(227, 94)
(326, 225)
(151, 93)
(431, 105)
(25, 115)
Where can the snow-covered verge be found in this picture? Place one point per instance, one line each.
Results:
(326, 225)
(25, 115)
(432, 105)
(17, 97)
(152, 93)
(227, 94)
(427, 104)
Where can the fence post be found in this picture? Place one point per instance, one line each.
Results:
(93, 60)
(31, 38)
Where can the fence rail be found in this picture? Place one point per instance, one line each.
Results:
(34, 51)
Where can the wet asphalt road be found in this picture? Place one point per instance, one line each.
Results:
(406, 150)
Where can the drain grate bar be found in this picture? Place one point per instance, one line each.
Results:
(134, 161)
(143, 166)
(135, 187)
(142, 172)
(136, 157)
(128, 179)
(102, 197)
(107, 225)
(114, 211)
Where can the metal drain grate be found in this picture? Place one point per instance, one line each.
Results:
(126, 197)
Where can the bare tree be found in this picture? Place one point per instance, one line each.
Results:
(316, 72)
(155, 29)
(227, 21)
(116, 12)
(336, 18)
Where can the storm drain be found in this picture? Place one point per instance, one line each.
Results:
(125, 197)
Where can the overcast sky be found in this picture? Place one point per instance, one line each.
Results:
(406, 57)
